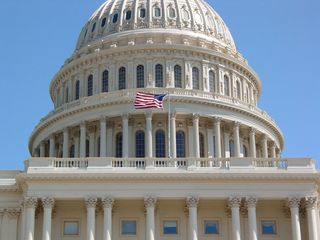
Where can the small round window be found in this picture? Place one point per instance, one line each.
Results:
(103, 23)
(172, 12)
(115, 18)
(157, 12)
(142, 13)
(93, 27)
(128, 15)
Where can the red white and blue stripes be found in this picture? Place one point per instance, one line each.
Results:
(148, 100)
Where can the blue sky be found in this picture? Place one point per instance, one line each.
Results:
(280, 39)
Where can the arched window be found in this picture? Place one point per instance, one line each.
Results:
(201, 145)
(159, 75)
(122, 78)
(157, 12)
(77, 90)
(142, 13)
(104, 21)
(211, 81)
(119, 145)
(93, 27)
(67, 95)
(105, 81)
(185, 14)
(226, 86)
(71, 151)
(140, 144)
(181, 144)
(172, 12)
(160, 144)
(140, 76)
(128, 15)
(231, 148)
(238, 90)
(90, 85)
(87, 148)
(177, 76)
(195, 78)
(115, 18)
(245, 151)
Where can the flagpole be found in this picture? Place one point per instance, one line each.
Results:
(169, 126)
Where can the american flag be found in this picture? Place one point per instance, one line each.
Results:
(148, 100)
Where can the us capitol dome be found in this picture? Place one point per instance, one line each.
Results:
(207, 165)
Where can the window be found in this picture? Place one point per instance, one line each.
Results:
(159, 75)
(103, 23)
(185, 14)
(201, 143)
(211, 81)
(71, 228)
(77, 90)
(90, 86)
(157, 12)
(268, 227)
(122, 78)
(105, 81)
(177, 76)
(195, 78)
(87, 148)
(211, 227)
(140, 76)
(67, 95)
(238, 90)
(197, 17)
(170, 227)
(71, 151)
(128, 15)
(140, 144)
(142, 13)
(181, 144)
(93, 27)
(160, 144)
(128, 227)
(115, 18)
(119, 145)
(172, 12)
(231, 148)
(226, 85)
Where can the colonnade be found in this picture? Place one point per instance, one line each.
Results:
(30, 204)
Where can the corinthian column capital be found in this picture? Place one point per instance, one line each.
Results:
(107, 202)
(192, 201)
(311, 202)
(234, 202)
(251, 202)
(150, 201)
(30, 202)
(91, 202)
(294, 202)
(47, 202)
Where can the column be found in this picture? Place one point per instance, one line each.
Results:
(47, 203)
(92, 130)
(76, 145)
(103, 137)
(30, 204)
(192, 204)
(52, 144)
(273, 150)
(252, 218)
(217, 131)
(83, 138)
(252, 136)
(264, 144)
(22, 220)
(311, 206)
(173, 135)
(125, 135)
(107, 203)
(236, 136)
(294, 204)
(149, 134)
(109, 139)
(210, 141)
(91, 203)
(42, 149)
(196, 135)
(234, 204)
(150, 203)
(65, 153)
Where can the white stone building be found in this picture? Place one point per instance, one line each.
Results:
(210, 168)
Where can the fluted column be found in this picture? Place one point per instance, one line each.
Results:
(173, 143)
(76, 145)
(103, 137)
(83, 137)
(311, 206)
(196, 135)
(236, 136)
(149, 134)
(252, 218)
(42, 149)
(23, 220)
(252, 136)
(150, 204)
(217, 131)
(234, 204)
(65, 152)
(52, 146)
(192, 204)
(273, 150)
(264, 144)
(47, 204)
(91, 215)
(107, 203)
(294, 204)
(125, 135)
(30, 204)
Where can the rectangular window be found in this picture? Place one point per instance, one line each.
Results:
(71, 228)
(129, 227)
(268, 227)
(211, 227)
(170, 227)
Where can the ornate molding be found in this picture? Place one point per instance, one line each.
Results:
(234, 202)
(91, 202)
(48, 202)
(192, 201)
(311, 202)
(107, 202)
(13, 213)
(251, 202)
(150, 202)
(294, 202)
(30, 202)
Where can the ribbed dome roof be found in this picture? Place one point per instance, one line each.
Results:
(194, 17)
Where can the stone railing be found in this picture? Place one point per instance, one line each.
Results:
(194, 164)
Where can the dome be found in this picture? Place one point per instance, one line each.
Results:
(190, 17)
